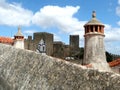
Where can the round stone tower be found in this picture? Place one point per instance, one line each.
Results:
(94, 50)
(19, 39)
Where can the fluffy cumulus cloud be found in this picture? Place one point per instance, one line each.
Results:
(62, 18)
(59, 17)
(112, 39)
(118, 10)
(118, 23)
(112, 33)
(29, 32)
(119, 2)
(13, 14)
(57, 37)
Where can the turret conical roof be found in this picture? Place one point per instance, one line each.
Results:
(19, 33)
(94, 21)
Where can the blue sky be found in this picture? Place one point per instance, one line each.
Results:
(62, 18)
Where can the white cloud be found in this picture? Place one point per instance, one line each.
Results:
(118, 10)
(112, 33)
(57, 37)
(63, 18)
(2, 1)
(60, 17)
(112, 39)
(13, 14)
(119, 2)
(118, 23)
(29, 32)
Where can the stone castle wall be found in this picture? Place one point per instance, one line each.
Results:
(53, 48)
(32, 44)
(28, 70)
(58, 50)
(29, 44)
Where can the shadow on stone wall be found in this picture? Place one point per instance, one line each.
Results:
(4, 85)
(27, 70)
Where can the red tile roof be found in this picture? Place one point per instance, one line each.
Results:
(114, 63)
(111, 64)
(6, 40)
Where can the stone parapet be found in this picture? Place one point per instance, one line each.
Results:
(28, 70)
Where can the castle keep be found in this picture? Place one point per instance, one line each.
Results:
(53, 48)
(32, 44)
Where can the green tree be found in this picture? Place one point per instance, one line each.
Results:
(108, 57)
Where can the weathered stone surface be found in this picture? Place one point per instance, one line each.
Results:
(4, 85)
(95, 51)
(27, 70)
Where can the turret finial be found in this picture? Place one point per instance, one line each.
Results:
(93, 14)
(19, 31)
(19, 28)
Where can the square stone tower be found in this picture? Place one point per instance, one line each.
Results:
(48, 38)
(74, 44)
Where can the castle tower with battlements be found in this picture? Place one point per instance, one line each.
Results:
(47, 38)
(74, 44)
